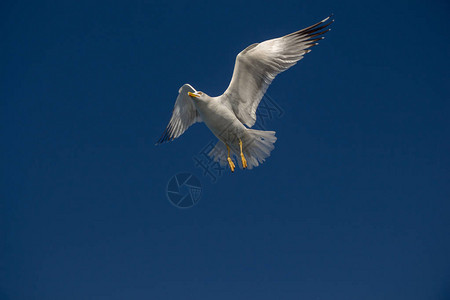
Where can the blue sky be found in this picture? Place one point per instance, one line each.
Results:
(352, 204)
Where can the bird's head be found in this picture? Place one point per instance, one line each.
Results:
(198, 95)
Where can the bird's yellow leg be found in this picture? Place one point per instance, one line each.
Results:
(230, 162)
(244, 161)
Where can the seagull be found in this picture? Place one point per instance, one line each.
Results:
(231, 115)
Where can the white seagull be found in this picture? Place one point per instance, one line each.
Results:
(231, 115)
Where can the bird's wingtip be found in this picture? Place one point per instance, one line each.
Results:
(328, 18)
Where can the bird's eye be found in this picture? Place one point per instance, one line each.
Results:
(200, 93)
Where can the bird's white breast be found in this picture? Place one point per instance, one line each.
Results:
(221, 120)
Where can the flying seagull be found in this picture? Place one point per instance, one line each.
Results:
(231, 115)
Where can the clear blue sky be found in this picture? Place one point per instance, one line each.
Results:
(352, 204)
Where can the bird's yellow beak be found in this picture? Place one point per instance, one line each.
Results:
(193, 95)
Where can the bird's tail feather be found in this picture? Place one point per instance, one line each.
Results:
(257, 146)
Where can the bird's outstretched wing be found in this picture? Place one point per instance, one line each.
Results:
(258, 64)
(184, 115)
